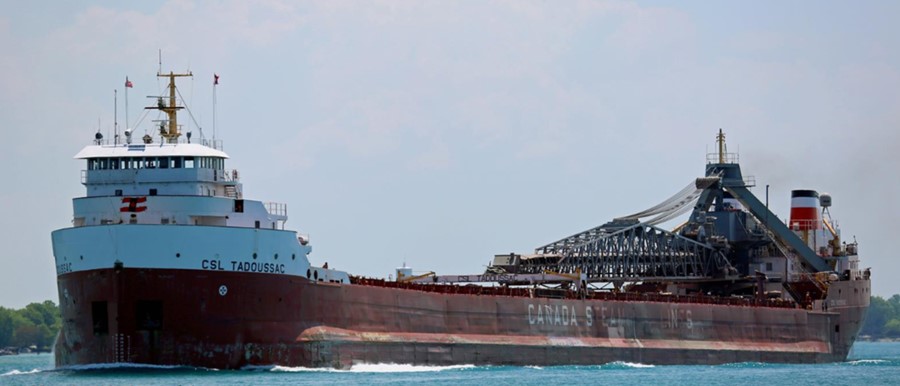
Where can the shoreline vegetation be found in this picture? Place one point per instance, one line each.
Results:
(33, 329)
(882, 320)
(29, 329)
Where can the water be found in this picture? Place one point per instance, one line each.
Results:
(869, 364)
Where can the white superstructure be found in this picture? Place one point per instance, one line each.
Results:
(172, 204)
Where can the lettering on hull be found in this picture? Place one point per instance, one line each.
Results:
(558, 315)
(575, 316)
(242, 266)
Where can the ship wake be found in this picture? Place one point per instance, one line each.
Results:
(364, 368)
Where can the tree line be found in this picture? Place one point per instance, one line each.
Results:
(883, 318)
(34, 325)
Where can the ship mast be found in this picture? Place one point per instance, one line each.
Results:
(720, 139)
(171, 133)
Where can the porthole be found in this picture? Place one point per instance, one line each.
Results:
(308, 274)
(254, 255)
(82, 257)
(276, 256)
(316, 275)
(293, 256)
(178, 255)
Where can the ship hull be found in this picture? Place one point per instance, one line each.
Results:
(237, 319)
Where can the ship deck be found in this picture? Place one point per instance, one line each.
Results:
(480, 290)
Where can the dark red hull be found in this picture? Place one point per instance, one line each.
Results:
(183, 317)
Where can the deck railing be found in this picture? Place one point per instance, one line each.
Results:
(211, 143)
(276, 208)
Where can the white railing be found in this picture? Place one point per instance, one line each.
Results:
(228, 175)
(729, 158)
(136, 140)
(796, 225)
(749, 181)
(276, 208)
(213, 143)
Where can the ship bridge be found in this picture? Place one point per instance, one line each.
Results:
(158, 169)
(168, 179)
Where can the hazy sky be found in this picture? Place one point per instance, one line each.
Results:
(441, 133)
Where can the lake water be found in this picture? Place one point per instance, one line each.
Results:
(869, 364)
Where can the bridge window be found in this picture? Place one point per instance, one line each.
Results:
(176, 162)
(189, 162)
(163, 162)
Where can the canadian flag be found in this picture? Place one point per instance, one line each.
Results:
(128, 83)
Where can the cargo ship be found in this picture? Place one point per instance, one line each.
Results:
(167, 263)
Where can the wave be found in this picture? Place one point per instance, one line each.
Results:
(363, 368)
(627, 365)
(17, 372)
(749, 365)
(866, 362)
(126, 367)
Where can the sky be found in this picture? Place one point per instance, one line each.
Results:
(438, 134)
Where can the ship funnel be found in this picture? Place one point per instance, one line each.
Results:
(805, 210)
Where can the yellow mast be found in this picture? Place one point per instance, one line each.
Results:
(171, 134)
(720, 139)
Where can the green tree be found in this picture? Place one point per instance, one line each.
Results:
(880, 312)
(892, 328)
(27, 335)
(894, 302)
(45, 313)
(6, 327)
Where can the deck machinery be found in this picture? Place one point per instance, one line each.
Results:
(731, 245)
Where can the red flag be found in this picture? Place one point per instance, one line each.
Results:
(215, 79)
(128, 83)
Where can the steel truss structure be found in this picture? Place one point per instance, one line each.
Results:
(639, 252)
